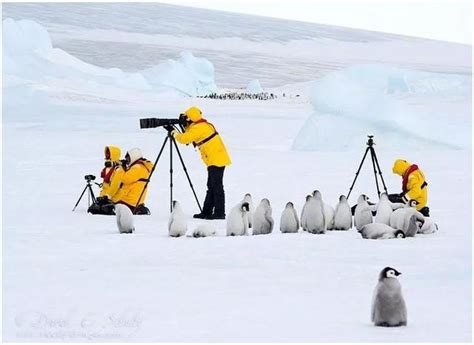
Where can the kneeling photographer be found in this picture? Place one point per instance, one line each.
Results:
(136, 171)
(214, 155)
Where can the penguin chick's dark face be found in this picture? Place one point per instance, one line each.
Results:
(308, 197)
(342, 198)
(399, 234)
(389, 272)
(289, 204)
(266, 202)
(245, 207)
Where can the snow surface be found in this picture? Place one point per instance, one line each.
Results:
(70, 276)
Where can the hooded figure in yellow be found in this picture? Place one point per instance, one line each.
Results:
(133, 181)
(414, 186)
(214, 154)
(109, 173)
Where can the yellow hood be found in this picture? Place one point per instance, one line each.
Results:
(114, 153)
(194, 114)
(400, 166)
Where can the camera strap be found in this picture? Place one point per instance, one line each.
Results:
(209, 137)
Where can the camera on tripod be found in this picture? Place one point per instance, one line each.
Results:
(89, 178)
(154, 122)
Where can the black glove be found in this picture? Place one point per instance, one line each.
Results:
(123, 164)
(103, 200)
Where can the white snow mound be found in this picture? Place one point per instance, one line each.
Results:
(29, 54)
(375, 99)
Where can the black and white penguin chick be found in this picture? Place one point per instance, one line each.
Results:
(429, 226)
(237, 221)
(248, 199)
(314, 213)
(303, 215)
(262, 219)
(289, 222)
(124, 218)
(177, 223)
(327, 209)
(400, 218)
(343, 215)
(388, 305)
(380, 231)
(363, 212)
(384, 210)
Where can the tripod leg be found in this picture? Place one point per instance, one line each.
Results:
(78, 200)
(186, 172)
(379, 170)
(171, 173)
(358, 171)
(92, 196)
(152, 171)
(372, 152)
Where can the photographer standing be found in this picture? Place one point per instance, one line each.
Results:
(214, 154)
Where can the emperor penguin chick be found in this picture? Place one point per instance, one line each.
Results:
(303, 215)
(314, 213)
(251, 209)
(237, 221)
(388, 305)
(343, 215)
(327, 209)
(289, 219)
(124, 218)
(177, 223)
(262, 219)
(363, 213)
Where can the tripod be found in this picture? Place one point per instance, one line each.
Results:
(172, 143)
(375, 164)
(90, 194)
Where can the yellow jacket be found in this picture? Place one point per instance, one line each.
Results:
(112, 154)
(416, 187)
(132, 182)
(199, 132)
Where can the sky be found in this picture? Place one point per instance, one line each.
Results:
(447, 20)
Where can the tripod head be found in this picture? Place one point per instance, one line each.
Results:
(370, 142)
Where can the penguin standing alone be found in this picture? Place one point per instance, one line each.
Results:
(237, 221)
(289, 222)
(388, 306)
(363, 213)
(124, 218)
(343, 215)
(177, 224)
(262, 219)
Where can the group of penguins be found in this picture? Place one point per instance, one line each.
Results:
(391, 220)
(262, 96)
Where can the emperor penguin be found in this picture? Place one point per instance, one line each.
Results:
(237, 221)
(343, 215)
(177, 223)
(327, 209)
(363, 213)
(384, 210)
(303, 214)
(399, 219)
(251, 209)
(262, 219)
(124, 218)
(376, 231)
(388, 305)
(314, 213)
(429, 226)
(289, 219)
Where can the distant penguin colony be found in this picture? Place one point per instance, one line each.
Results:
(289, 222)
(124, 218)
(262, 219)
(388, 305)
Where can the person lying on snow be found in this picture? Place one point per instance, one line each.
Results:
(127, 183)
(414, 186)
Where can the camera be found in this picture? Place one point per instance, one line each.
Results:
(89, 178)
(154, 122)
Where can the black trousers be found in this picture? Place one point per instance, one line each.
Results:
(215, 197)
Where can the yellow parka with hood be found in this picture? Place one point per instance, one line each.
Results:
(111, 175)
(413, 185)
(204, 135)
(134, 179)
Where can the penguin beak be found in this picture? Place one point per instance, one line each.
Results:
(398, 273)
